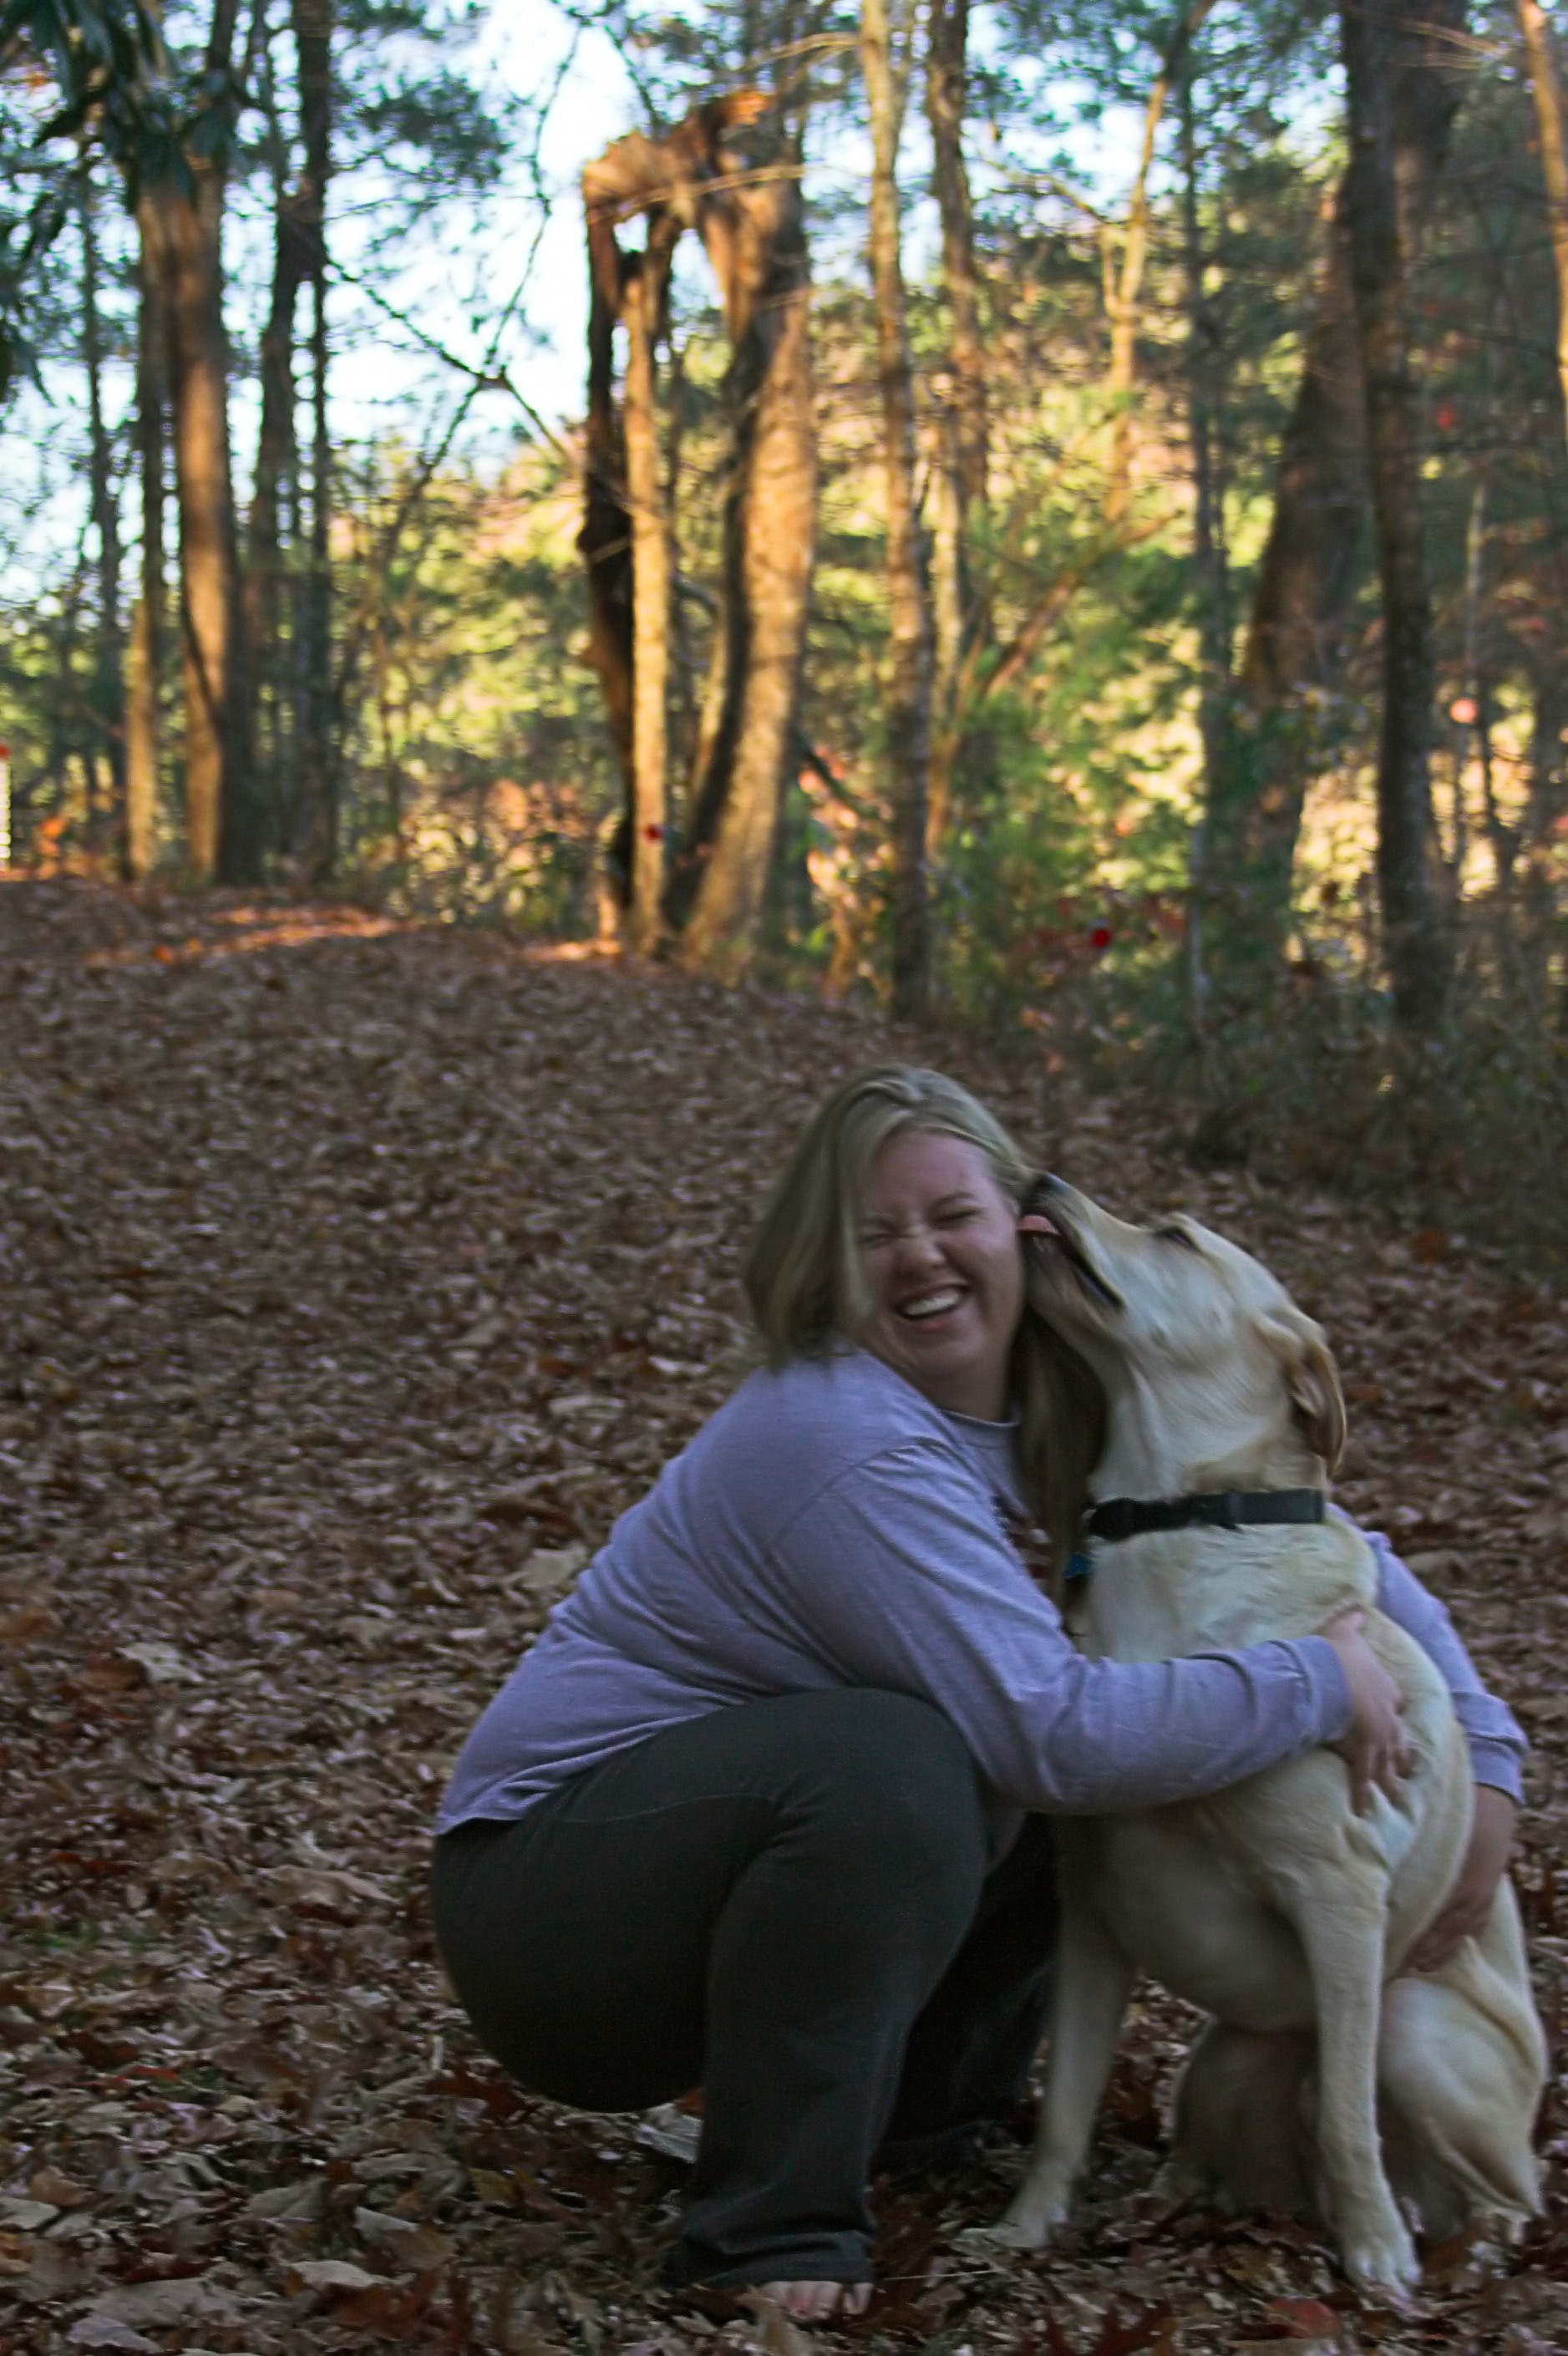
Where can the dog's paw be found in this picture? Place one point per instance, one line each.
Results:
(1506, 2227)
(1032, 2220)
(1177, 2182)
(1381, 2260)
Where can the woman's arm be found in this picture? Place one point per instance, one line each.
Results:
(899, 1576)
(1497, 1746)
(1469, 1902)
(1498, 1751)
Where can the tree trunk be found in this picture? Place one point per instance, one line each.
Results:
(604, 542)
(318, 766)
(107, 691)
(750, 226)
(1209, 558)
(145, 668)
(222, 831)
(643, 306)
(946, 95)
(276, 466)
(949, 605)
(1293, 653)
(1123, 283)
(909, 702)
(1415, 943)
(1293, 658)
(755, 235)
(963, 460)
(1546, 739)
(1553, 162)
(208, 601)
(1545, 801)
(1474, 675)
(1124, 292)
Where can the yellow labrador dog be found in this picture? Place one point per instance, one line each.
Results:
(1274, 1907)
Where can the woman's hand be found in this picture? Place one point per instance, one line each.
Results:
(1374, 1745)
(1468, 1903)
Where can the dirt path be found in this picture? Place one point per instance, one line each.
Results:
(353, 1280)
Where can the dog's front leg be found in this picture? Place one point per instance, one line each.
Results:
(1341, 1930)
(1093, 1981)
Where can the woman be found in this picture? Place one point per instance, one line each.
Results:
(748, 1813)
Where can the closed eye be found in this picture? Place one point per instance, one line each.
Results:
(1174, 1234)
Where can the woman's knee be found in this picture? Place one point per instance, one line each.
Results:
(888, 1775)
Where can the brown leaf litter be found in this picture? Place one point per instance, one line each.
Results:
(355, 1277)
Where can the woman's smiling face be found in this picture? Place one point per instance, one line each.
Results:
(940, 1256)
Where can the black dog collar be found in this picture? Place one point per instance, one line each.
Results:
(1220, 1509)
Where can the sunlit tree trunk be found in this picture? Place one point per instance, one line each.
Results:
(642, 307)
(145, 667)
(946, 92)
(909, 701)
(1123, 282)
(318, 763)
(208, 584)
(222, 832)
(108, 685)
(963, 459)
(604, 542)
(1415, 941)
(276, 468)
(948, 614)
(751, 224)
(755, 237)
(1123, 276)
(1292, 659)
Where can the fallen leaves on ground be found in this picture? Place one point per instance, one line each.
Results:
(355, 1277)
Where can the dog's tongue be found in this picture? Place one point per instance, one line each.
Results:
(1035, 1223)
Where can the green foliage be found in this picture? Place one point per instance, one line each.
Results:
(478, 762)
(1071, 826)
(472, 762)
(98, 62)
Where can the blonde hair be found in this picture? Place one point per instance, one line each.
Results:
(803, 1274)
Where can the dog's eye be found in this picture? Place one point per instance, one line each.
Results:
(1174, 1234)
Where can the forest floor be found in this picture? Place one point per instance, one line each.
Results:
(354, 1278)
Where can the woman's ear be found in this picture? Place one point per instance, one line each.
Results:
(1314, 1380)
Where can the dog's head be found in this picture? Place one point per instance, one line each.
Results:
(1215, 1377)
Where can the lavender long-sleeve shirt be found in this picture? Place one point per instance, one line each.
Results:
(829, 1526)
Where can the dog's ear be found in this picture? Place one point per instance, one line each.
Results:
(1061, 1404)
(1034, 1210)
(1314, 1381)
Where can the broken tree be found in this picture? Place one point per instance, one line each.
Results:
(710, 893)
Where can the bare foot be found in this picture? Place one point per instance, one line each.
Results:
(817, 2302)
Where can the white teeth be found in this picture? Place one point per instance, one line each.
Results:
(933, 1305)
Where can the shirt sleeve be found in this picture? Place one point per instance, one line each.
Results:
(906, 1582)
(1496, 1741)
